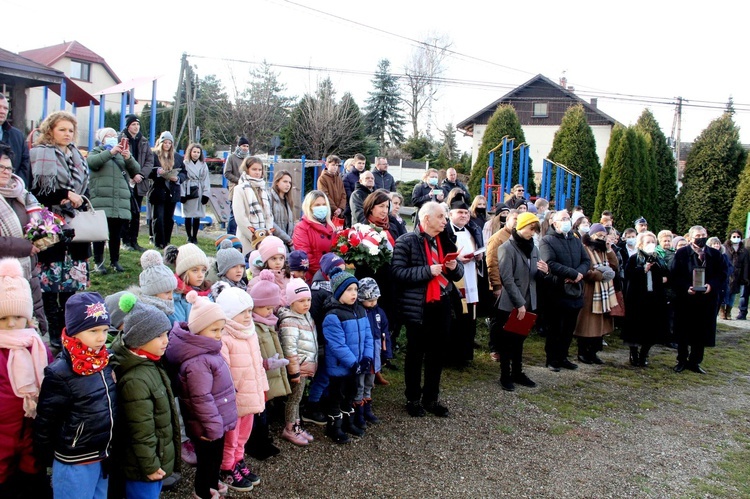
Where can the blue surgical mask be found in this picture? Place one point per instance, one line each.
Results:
(320, 212)
(583, 229)
(110, 142)
(432, 181)
(630, 241)
(565, 226)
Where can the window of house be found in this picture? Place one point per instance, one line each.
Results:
(80, 70)
(540, 110)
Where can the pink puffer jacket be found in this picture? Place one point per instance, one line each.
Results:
(241, 350)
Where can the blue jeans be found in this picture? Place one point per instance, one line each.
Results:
(231, 224)
(142, 490)
(78, 481)
(320, 381)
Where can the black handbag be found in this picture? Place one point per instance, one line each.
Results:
(191, 194)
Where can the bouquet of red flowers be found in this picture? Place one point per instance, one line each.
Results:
(363, 245)
(45, 229)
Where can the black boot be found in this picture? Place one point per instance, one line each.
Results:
(634, 358)
(359, 415)
(643, 356)
(349, 426)
(260, 444)
(370, 416)
(333, 429)
(55, 320)
(505, 380)
(117, 267)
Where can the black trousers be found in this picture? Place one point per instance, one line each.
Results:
(115, 226)
(163, 223)
(561, 322)
(510, 347)
(192, 225)
(463, 331)
(341, 393)
(54, 309)
(209, 456)
(424, 347)
(131, 236)
(689, 353)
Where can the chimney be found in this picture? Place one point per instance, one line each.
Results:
(563, 82)
(594, 102)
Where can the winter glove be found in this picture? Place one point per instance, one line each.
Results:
(356, 368)
(204, 199)
(275, 362)
(366, 364)
(608, 273)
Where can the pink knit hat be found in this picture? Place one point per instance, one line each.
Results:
(203, 313)
(15, 293)
(266, 292)
(297, 289)
(271, 246)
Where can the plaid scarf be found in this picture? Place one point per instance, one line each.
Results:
(10, 225)
(84, 360)
(53, 168)
(257, 202)
(604, 292)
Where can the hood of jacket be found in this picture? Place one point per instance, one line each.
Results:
(184, 345)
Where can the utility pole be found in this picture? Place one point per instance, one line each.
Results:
(679, 133)
(178, 98)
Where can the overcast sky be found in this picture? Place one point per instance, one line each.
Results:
(642, 50)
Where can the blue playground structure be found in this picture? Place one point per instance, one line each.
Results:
(506, 171)
(563, 184)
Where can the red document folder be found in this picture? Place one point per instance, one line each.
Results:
(522, 327)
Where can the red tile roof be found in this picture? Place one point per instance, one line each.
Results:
(74, 50)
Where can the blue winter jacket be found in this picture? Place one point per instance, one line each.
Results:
(380, 334)
(348, 337)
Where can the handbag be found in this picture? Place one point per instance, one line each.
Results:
(619, 310)
(90, 226)
(573, 289)
(190, 193)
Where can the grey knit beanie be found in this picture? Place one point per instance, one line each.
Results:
(116, 316)
(142, 323)
(156, 277)
(227, 257)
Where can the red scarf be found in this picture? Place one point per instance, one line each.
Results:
(439, 282)
(142, 353)
(383, 224)
(85, 360)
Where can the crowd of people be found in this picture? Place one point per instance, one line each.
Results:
(205, 355)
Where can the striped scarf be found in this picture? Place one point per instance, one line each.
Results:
(604, 292)
(10, 225)
(53, 168)
(437, 284)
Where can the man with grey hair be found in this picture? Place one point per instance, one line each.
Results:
(695, 305)
(568, 261)
(451, 182)
(424, 282)
(365, 187)
(15, 139)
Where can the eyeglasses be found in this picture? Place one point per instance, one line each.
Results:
(6, 168)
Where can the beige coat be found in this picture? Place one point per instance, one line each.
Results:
(591, 325)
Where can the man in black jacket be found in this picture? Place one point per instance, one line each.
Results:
(424, 283)
(451, 182)
(383, 179)
(568, 261)
(141, 151)
(14, 138)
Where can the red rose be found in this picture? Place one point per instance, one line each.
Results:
(343, 249)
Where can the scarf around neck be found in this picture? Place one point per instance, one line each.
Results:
(53, 168)
(604, 291)
(525, 245)
(27, 359)
(10, 225)
(84, 360)
(271, 320)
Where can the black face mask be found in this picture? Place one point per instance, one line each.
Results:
(481, 211)
(503, 219)
(700, 242)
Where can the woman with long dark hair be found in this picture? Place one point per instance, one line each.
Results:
(195, 190)
(168, 174)
(282, 205)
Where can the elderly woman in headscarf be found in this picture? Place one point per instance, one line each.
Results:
(594, 320)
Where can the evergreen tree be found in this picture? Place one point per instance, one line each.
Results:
(384, 118)
(448, 154)
(741, 204)
(575, 147)
(605, 176)
(503, 122)
(419, 147)
(665, 198)
(710, 181)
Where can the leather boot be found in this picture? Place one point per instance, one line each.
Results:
(722, 312)
(728, 312)
(634, 356)
(380, 380)
(349, 426)
(370, 416)
(333, 429)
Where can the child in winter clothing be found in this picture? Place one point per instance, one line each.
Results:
(230, 265)
(299, 341)
(158, 284)
(348, 349)
(191, 267)
(320, 290)
(77, 404)
(273, 254)
(241, 351)
(265, 295)
(206, 390)
(149, 432)
(299, 263)
(368, 295)
(254, 264)
(23, 357)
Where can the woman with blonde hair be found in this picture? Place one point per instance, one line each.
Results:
(167, 175)
(195, 190)
(314, 233)
(427, 190)
(60, 179)
(282, 204)
(251, 204)
(478, 210)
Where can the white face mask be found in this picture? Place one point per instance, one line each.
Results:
(583, 229)
(630, 241)
(649, 248)
(736, 240)
(565, 226)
